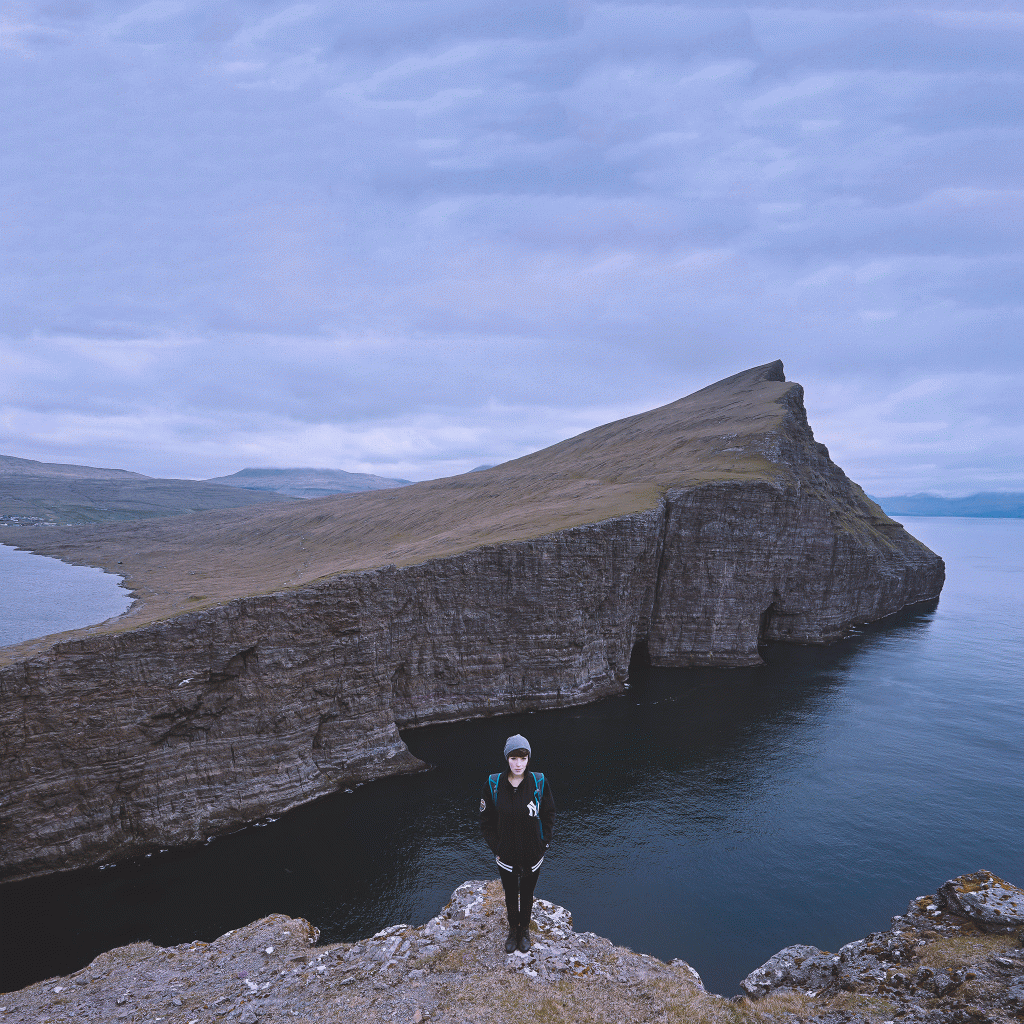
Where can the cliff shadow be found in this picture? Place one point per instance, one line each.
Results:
(393, 850)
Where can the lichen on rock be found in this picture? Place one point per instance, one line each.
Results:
(993, 903)
(451, 969)
(943, 961)
(930, 967)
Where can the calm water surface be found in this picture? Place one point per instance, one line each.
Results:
(716, 815)
(45, 595)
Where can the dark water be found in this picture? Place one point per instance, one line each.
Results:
(716, 815)
(52, 596)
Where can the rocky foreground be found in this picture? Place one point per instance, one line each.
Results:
(952, 958)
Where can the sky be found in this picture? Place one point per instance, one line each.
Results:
(410, 237)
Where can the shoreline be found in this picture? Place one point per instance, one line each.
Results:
(273, 657)
(47, 588)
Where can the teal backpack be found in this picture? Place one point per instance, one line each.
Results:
(538, 794)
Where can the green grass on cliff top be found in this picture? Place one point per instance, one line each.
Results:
(185, 563)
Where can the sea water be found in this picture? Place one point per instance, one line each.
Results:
(711, 814)
(45, 595)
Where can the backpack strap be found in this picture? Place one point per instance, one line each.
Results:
(538, 795)
(492, 781)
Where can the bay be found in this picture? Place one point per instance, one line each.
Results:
(44, 595)
(711, 814)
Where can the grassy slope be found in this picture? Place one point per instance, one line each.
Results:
(189, 562)
(11, 466)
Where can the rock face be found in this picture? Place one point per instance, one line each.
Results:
(994, 904)
(193, 726)
(930, 968)
(949, 958)
(796, 967)
(453, 969)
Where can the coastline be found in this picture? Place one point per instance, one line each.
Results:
(55, 598)
(952, 958)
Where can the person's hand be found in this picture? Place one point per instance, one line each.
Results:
(497, 860)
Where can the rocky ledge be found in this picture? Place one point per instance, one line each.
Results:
(953, 958)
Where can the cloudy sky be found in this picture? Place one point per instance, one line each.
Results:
(412, 236)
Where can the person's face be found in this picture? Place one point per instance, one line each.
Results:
(517, 763)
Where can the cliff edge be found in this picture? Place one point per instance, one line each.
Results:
(938, 963)
(692, 533)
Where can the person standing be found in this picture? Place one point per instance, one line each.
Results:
(517, 816)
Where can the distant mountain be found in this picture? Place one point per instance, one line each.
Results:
(10, 466)
(988, 505)
(307, 483)
(56, 494)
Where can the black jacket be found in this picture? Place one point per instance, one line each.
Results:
(516, 830)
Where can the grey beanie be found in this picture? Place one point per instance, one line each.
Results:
(517, 742)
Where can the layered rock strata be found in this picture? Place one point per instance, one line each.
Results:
(194, 725)
(930, 967)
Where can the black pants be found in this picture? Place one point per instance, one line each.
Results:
(519, 884)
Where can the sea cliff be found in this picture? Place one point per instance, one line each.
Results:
(952, 958)
(686, 536)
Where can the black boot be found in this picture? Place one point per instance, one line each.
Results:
(513, 938)
(523, 945)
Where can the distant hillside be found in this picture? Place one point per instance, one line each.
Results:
(307, 483)
(55, 494)
(989, 505)
(10, 466)
(726, 434)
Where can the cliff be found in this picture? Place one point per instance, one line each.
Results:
(691, 533)
(940, 962)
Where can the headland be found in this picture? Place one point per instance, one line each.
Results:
(272, 655)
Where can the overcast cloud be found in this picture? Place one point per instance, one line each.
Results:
(412, 237)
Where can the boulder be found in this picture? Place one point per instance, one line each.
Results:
(796, 967)
(992, 903)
